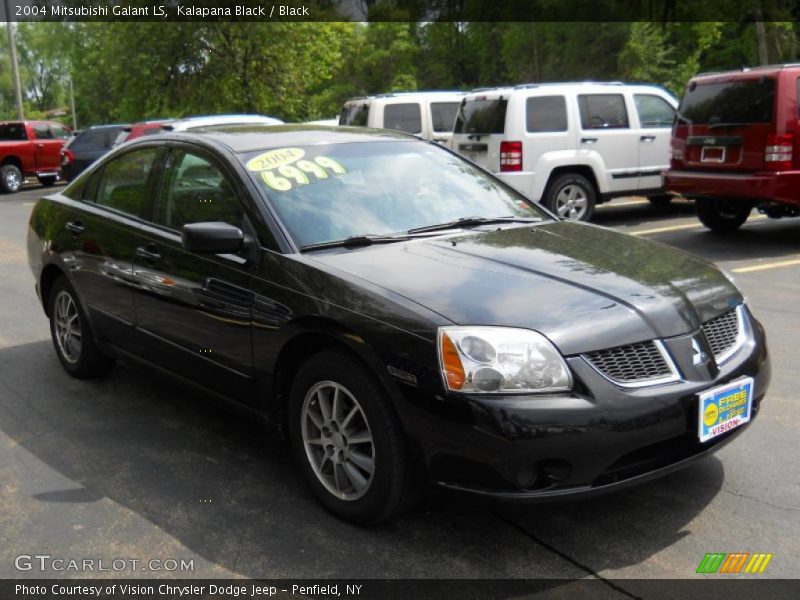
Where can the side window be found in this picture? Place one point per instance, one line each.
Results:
(546, 113)
(90, 140)
(122, 185)
(59, 132)
(653, 111)
(443, 116)
(403, 117)
(42, 132)
(196, 191)
(603, 111)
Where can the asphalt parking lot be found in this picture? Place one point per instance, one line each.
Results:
(139, 466)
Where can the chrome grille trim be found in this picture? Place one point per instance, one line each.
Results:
(726, 333)
(652, 351)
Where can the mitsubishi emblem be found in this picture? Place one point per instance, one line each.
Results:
(699, 357)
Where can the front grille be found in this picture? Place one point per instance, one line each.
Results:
(631, 364)
(722, 332)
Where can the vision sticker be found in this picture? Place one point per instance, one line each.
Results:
(285, 168)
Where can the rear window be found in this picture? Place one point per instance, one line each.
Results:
(13, 132)
(355, 115)
(443, 116)
(546, 113)
(403, 117)
(748, 101)
(482, 116)
(603, 111)
(95, 139)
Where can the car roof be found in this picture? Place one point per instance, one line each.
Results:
(210, 120)
(108, 126)
(416, 95)
(248, 138)
(564, 86)
(747, 72)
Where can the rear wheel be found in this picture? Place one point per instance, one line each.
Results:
(571, 196)
(10, 179)
(347, 439)
(48, 181)
(72, 335)
(723, 215)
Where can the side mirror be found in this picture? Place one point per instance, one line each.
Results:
(212, 238)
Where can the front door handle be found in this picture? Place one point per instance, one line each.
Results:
(149, 252)
(75, 227)
(648, 138)
(588, 140)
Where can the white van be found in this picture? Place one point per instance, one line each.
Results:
(428, 114)
(570, 145)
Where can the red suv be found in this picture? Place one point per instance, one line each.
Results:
(736, 145)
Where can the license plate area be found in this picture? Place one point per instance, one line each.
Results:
(712, 154)
(724, 408)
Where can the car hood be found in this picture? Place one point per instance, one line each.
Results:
(583, 286)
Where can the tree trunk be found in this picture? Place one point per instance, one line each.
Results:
(761, 34)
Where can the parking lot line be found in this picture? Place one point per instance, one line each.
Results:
(681, 227)
(764, 267)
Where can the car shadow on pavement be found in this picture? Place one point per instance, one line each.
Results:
(165, 454)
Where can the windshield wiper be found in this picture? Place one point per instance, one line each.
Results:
(473, 222)
(726, 125)
(680, 117)
(356, 241)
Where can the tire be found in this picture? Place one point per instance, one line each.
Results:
(722, 215)
(48, 181)
(343, 484)
(79, 355)
(10, 179)
(572, 197)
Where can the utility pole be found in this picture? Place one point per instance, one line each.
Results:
(12, 52)
(72, 106)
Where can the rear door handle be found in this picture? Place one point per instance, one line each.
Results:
(75, 227)
(149, 252)
(588, 140)
(648, 138)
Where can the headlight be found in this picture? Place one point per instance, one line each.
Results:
(500, 359)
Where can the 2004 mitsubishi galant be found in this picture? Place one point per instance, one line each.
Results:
(396, 311)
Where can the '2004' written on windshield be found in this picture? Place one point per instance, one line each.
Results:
(285, 168)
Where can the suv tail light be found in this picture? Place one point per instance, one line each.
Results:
(67, 157)
(511, 156)
(778, 151)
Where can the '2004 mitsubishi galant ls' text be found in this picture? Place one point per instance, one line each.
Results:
(397, 311)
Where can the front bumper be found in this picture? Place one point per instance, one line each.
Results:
(595, 439)
(780, 186)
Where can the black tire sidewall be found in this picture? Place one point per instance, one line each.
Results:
(48, 181)
(708, 211)
(562, 181)
(3, 174)
(389, 479)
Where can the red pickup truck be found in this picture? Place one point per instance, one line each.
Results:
(30, 149)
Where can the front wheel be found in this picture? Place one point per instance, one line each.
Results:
(348, 440)
(723, 215)
(10, 179)
(72, 334)
(571, 197)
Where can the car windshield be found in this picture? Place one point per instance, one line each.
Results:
(330, 192)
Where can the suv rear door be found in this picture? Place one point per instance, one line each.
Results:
(479, 128)
(442, 117)
(724, 124)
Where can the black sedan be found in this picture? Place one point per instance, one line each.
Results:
(396, 311)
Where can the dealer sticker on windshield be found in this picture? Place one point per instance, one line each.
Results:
(286, 168)
(724, 408)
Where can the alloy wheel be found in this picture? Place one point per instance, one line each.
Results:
(67, 327)
(338, 440)
(572, 202)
